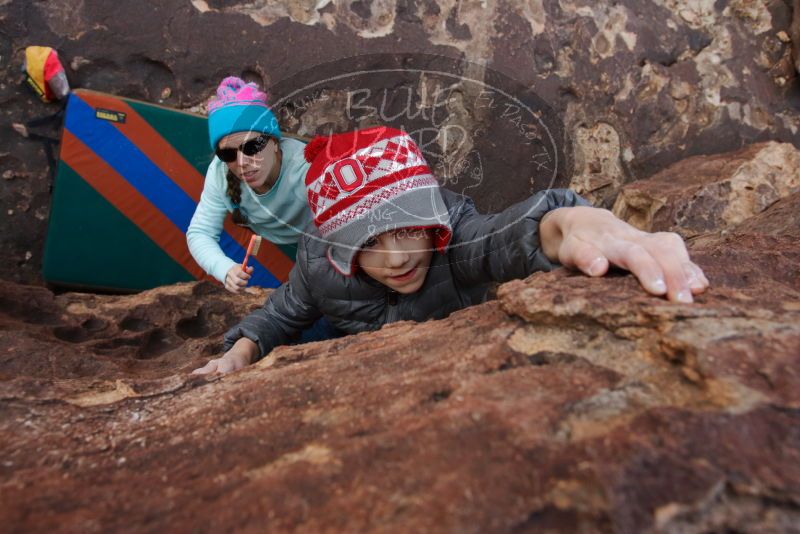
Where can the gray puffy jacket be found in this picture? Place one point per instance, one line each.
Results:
(483, 249)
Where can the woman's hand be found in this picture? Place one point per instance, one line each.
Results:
(591, 239)
(239, 356)
(236, 279)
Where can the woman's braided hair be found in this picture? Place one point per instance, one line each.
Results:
(234, 191)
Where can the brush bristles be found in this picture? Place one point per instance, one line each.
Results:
(256, 245)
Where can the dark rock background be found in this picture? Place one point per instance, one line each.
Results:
(637, 85)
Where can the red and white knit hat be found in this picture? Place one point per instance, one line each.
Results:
(363, 183)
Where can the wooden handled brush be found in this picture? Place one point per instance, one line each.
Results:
(252, 249)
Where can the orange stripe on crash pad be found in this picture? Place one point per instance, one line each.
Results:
(125, 198)
(151, 143)
(269, 255)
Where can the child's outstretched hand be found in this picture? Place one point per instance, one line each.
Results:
(591, 239)
(240, 355)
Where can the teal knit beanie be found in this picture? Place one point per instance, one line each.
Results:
(239, 107)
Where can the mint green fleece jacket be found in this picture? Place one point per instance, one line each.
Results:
(279, 215)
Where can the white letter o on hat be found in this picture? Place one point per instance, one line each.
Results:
(349, 174)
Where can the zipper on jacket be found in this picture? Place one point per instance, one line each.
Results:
(391, 297)
(391, 303)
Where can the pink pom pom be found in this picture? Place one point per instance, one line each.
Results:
(230, 84)
(235, 91)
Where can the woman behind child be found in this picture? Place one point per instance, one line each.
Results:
(257, 175)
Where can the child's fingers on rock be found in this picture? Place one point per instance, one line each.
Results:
(699, 273)
(225, 366)
(667, 244)
(670, 252)
(632, 256)
(582, 255)
(678, 286)
(210, 367)
(696, 278)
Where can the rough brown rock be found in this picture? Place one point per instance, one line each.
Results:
(88, 346)
(568, 404)
(705, 193)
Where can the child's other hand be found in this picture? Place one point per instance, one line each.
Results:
(218, 365)
(591, 239)
(238, 357)
(236, 279)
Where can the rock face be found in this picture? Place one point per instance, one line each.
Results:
(795, 36)
(636, 85)
(704, 193)
(89, 345)
(567, 404)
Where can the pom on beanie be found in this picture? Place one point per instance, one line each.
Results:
(239, 106)
(235, 91)
(314, 147)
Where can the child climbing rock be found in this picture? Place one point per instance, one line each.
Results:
(390, 245)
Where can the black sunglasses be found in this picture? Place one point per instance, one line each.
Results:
(249, 148)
